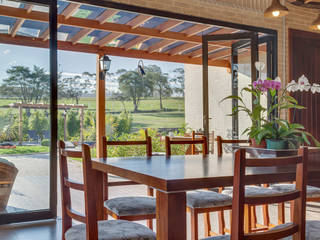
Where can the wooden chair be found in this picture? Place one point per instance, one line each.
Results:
(240, 203)
(202, 201)
(90, 228)
(131, 208)
(312, 193)
(221, 141)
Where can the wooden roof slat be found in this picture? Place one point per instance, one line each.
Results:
(198, 52)
(194, 30)
(19, 22)
(159, 45)
(220, 54)
(70, 10)
(134, 42)
(90, 48)
(180, 49)
(107, 14)
(94, 24)
(166, 26)
(139, 20)
(107, 39)
(80, 34)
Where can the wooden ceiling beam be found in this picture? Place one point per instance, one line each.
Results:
(160, 45)
(134, 42)
(106, 15)
(138, 20)
(168, 25)
(182, 48)
(94, 24)
(82, 33)
(95, 49)
(107, 39)
(19, 22)
(198, 52)
(194, 30)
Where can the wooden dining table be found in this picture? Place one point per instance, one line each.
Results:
(175, 175)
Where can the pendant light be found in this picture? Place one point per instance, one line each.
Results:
(316, 24)
(276, 9)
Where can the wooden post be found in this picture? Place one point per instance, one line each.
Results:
(65, 126)
(100, 106)
(81, 124)
(20, 125)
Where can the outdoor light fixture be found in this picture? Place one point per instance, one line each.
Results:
(276, 9)
(316, 24)
(141, 70)
(105, 63)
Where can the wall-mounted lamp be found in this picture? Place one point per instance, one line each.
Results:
(105, 63)
(316, 24)
(276, 9)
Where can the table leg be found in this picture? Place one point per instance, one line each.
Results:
(171, 216)
(98, 179)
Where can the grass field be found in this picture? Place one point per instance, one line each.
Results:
(149, 114)
(24, 150)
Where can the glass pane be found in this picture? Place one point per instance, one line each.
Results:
(24, 111)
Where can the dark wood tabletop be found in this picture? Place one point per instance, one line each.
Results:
(187, 172)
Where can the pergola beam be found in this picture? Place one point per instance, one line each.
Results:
(17, 25)
(89, 48)
(166, 26)
(134, 42)
(107, 14)
(94, 24)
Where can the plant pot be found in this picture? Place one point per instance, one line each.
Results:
(254, 144)
(277, 144)
(8, 173)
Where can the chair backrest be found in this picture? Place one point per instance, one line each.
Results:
(147, 142)
(221, 141)
(297, 228)
(90, 217)
(202, 141)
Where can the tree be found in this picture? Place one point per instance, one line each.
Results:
(133, 87)
(178, 80)
(30, 86)
(160, 82)
(73, 124)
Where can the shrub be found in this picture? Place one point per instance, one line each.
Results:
(45, 142)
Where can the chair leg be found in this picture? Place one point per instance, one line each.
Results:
(281, 213)
(253, 224)
(222, 223)
(194, 225)
(247, 219)
(207, 224)
(150, 223)
(291, 210)
(266, 218)
(105, 214)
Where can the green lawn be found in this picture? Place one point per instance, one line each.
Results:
(149, 114)
(24, 150)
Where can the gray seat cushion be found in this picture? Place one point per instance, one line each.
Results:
(113, 230)
(207, 199)
(131, 206)
(251, 191)
(312, 192)
(312, 232)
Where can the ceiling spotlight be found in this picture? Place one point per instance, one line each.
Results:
(316, 24)
(276, 9)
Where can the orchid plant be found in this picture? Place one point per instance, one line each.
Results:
(265, 125)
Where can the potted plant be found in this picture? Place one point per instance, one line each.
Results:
(267, 130)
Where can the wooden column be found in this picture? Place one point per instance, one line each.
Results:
(20, 126)
(100, 109)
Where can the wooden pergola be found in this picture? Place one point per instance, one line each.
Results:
(98, 30)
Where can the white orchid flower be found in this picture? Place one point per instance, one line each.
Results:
(292, 86)
(303, 83)
(260, 66)
(315, 88)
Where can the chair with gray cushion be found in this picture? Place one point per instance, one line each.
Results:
(131, 208)
(202, 201)
(298, 228)
(92, 227)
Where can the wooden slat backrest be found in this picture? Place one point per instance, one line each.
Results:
(221, 141)
(90, 217)
(147, 142)
(297, 228)
(202, 141)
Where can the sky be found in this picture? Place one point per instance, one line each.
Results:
(69, 62)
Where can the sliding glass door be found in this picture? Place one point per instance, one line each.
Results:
(28, 98)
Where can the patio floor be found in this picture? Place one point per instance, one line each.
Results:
(30, 192)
